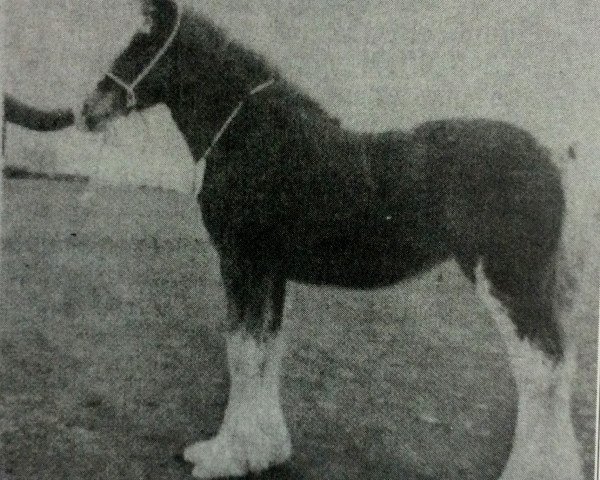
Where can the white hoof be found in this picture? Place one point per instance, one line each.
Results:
(571, 471)
(233, 455)
(550, 462)
(214, 459)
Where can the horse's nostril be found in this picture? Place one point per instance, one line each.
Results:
(85, 109)
(90, 122)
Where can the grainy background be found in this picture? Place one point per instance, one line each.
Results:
(109, 361)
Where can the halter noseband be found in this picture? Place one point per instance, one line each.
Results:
(129, 87)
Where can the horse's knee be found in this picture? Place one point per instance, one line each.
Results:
(528, 293)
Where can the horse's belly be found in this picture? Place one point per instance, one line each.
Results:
(367, 261)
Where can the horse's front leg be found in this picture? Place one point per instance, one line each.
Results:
(253, 435)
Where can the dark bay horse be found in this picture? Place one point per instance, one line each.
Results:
(288, 194)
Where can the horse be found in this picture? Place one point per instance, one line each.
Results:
(289, 194)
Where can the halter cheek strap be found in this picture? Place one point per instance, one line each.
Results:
(129, 87)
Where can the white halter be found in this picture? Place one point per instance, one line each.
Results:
(129, 87)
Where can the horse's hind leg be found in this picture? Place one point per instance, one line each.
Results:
(253, 435)
(524, 305)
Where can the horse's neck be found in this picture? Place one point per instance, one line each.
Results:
(212, 78)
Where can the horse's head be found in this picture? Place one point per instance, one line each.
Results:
(139, 77)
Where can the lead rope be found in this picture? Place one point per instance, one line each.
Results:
(197, 184)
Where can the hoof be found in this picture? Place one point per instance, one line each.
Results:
(544, 466)
(232, 456)
(214, 459)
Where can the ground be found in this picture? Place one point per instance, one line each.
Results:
(110, 360)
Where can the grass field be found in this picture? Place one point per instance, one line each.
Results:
(110, 361)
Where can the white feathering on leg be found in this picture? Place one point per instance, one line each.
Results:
(253, 435)
(544, 445)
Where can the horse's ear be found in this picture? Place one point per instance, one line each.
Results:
(148, 8)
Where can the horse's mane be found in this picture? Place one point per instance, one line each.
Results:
(200, 34)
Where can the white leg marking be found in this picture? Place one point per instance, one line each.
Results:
(544, 445)
(253, 436)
